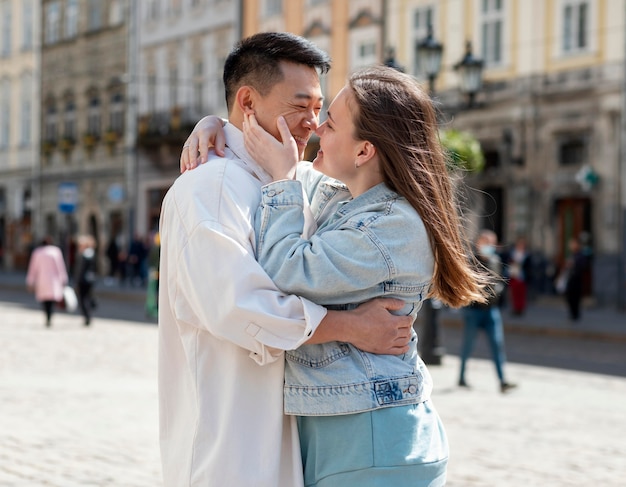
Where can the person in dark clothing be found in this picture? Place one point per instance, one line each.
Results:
(137, 254)
(112, 254)
(575, 267)
(486, 317)
(86, 276)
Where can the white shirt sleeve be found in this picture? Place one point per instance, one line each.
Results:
(215, 283)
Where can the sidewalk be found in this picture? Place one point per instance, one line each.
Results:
(16, 281)
(547, 315)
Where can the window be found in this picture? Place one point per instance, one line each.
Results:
(5, 112)
(95, 14)
(26, 109)
(152, 93)
(173, 87)
(5, 12)
(116, 13)
(71, 19)
(52, 22)
(152, 10)
(27, 24)
(492, 22)
(93, 117)
(366, 53)
(273, 7)
(174, 7)
(198, 87)
(575, 25)
(573, 151)
(422, 19)
(50, 121)
(69, 120)
(116, 114)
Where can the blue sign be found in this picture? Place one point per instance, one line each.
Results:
(68, 197)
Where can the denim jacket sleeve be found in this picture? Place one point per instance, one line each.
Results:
(332, 267)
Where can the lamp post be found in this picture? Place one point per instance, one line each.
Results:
(470, 73)
(429, 53)
(390, 60)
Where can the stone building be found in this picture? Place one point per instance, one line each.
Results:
(182, 49)
(19, 128)
(548, 117)
(83, 178)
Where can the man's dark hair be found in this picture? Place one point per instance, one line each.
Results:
(255, 61)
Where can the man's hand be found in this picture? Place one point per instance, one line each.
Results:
(207, 133)
(371, 327)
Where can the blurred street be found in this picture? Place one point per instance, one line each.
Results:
(78, 406)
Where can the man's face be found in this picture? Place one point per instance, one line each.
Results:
(298, 98)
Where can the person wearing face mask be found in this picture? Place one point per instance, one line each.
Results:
(486, 316)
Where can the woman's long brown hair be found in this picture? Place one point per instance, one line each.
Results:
(390, 110)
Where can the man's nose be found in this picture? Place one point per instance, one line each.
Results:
(312, 121)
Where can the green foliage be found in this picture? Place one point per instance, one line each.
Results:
(463, 150)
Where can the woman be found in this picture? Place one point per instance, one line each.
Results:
(391, 229)
(47, 276)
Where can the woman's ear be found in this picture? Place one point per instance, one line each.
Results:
(366, 152)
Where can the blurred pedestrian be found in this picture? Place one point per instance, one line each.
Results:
(47, 276)
(486, 317)
(112, 253)
(519, 273)
(135, 261)
(86, 276)
(575, 267)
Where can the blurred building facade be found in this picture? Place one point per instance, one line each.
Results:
(19, 127)
(548, 114)
(82, 182)
(548, 118)
(182, 49)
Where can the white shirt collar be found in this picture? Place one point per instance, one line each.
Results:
(234, 141)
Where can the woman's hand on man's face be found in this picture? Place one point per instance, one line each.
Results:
(278, 157)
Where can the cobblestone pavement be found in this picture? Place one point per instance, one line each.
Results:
(78, 407)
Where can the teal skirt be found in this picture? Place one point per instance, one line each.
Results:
(397, 446)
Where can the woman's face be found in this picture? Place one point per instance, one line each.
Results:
(338, 147)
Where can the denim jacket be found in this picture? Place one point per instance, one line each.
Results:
(371, 246)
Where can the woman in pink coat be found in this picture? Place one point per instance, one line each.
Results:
(47, 275)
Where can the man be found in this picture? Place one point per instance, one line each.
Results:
(486, 316)
(223, 323)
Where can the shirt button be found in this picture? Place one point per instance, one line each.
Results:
(271, 193)
(412, 389)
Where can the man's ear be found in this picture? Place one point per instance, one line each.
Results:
(245, 99)
(366, 152)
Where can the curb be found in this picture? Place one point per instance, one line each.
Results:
(526, 329)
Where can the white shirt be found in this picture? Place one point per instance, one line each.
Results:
(223, 326)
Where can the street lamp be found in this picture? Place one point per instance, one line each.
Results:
(390, 60)
(470, 73)
(429, 53)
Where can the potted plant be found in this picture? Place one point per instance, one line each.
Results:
(463, 150)
(90, 141)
